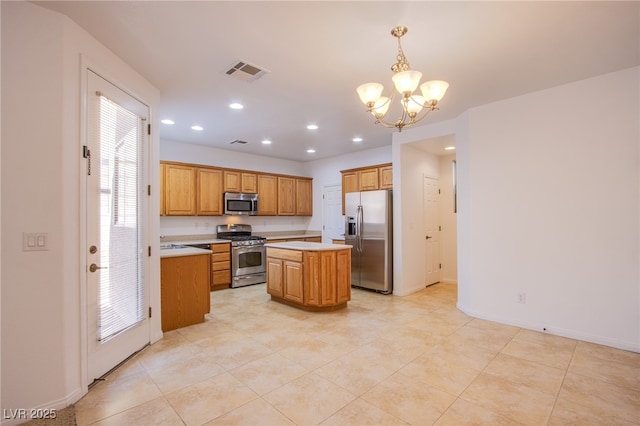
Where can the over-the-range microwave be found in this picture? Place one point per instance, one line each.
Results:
(240, 203)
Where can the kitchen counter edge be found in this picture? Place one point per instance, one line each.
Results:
(307, 246)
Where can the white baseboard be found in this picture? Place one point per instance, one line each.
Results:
(24, 414)
(557, 331)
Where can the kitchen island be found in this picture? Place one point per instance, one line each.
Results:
(310, 276)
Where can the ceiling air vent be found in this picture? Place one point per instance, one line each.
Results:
(246, 72)
(238, 141)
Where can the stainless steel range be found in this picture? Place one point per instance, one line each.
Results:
(248, 254)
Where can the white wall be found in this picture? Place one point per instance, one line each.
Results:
(553, 182)
(548, 205)
(42, 340)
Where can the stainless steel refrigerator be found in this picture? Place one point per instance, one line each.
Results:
(368, 229)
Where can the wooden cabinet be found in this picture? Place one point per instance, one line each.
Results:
(267, 195)
(180, 188)
(193, 190)
(209, 192)
(220, 266)
(311, 279)
(184, 290)
(286, 196)
(304, 197)
(238, 181)
(386, 177)
(368, 179)
(337, 242)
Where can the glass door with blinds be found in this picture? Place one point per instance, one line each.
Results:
(117, 288)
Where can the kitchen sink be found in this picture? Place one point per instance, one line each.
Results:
(171, 246)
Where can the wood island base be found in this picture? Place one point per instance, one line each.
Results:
(310, 276)
(309, 308)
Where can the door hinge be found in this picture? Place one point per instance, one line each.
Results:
(148, 189)
(439, 228)
(148, 129)
(149, 250)
(149, 311)
(439, 265)
(438, 190)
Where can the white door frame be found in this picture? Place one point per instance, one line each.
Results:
(148, 224)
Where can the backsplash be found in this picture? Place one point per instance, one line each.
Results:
(198, 225)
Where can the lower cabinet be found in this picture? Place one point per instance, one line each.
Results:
(220, 266)
(184, 290)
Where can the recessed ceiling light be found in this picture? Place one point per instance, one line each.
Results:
(357, 139)
(167, 121)
(266, 142)
(311, 151)
(236, 105)
(197, 128)
(312, 127)
(450, 148)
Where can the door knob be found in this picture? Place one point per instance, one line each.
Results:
(93, 267)
(427, 237)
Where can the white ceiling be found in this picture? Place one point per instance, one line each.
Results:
(319, 52)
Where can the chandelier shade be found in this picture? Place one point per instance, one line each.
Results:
(406, 81)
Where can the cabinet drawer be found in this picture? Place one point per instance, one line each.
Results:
(286, 254)
(220, 257)
(221, 277)
(220, 248)
(221, 266)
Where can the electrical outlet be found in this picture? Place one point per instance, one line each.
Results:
(522, 297)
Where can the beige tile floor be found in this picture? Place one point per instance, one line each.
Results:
(383, 360)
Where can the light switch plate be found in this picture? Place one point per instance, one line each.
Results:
(35, 241)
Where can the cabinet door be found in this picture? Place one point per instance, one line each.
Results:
(231, 181)
(304, 197)
(328, 281)
(312, 278)
(286, 196)
(386, 177)
(249, 183)
(267, 195)
(343, 276)
(293, 287)
(349, 184)
(275, 278)
(368, 179)
(180, 188)
(209, 193)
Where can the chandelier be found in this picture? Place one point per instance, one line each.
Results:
(406, 81)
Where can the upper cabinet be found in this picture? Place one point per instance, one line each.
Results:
(180, 189)
(194, 190)
(368, 178)
(304, 197)
(267, 195)
(286, 196)
(239, 181)
(209, 192)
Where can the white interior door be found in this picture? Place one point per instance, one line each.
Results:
(431, 230)
(332, 221)
(116, 196)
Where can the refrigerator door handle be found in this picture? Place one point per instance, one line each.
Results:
(359, 218)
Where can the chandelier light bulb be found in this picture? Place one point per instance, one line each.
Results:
(414, 104)
(406, 81)
(380, 107)
(434, 90)
(369, 92)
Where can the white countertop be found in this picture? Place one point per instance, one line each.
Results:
(307, 246)
(185, 251)
(201, 241)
